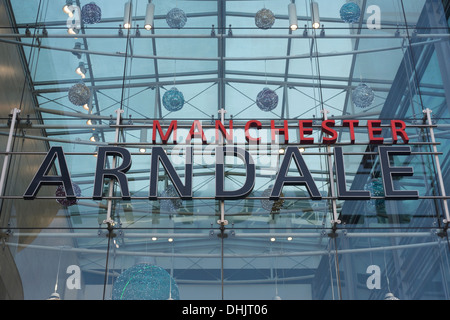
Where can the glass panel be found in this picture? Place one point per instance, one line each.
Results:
(274, 264)
(58, 262)
(389, 265)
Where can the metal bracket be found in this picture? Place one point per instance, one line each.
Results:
(222, 222)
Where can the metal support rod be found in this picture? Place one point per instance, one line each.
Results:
(428, 111)
(299, 253)
(108, 219)
(222, 220)
(330, 168)
(224, 35)
(299, 56)
(279, 235)
(15, 113)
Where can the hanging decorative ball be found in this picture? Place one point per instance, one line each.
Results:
(79, 94)
(264, 19)
(176, 18)
(376, 188)
(267, 100)
(170, 205)
(173, 100)
(145, 282)
(91, 13)
(273, 206)
(363, 96)
(350, 12)
(61, 192)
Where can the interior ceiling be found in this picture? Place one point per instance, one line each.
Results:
(219, 59)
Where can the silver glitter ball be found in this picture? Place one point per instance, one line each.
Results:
(264, 19)
(79, 94)
(176, 18)
(363, 96)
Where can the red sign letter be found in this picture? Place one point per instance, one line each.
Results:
(165, 137)
(370, 127)
(351, 124)
(302, 130)
(194, 134)
(327, 130)
(284, 131)
(398, 129)
(248, 125)
(220, 127)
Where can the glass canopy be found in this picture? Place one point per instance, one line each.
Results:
(221, 61)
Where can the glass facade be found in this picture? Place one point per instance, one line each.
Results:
(359, 104)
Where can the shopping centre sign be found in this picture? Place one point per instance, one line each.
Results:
(224, 148)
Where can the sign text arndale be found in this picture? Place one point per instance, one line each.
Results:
(292, 153)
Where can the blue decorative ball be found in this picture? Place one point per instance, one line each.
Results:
(363, 96)
(350, 12)
(173, 100)
(91, 13)
(176, 18)
(145, 282)
(376, 188)
(267, 100)
(264, 19)
(61, 192)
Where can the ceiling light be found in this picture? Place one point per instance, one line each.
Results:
(301, 149)
(149, 16)
(289, 238)
(67, 8)
(88, 105)
(73, 31)
(94, 137)
(315, 15)
(81, 70)
(293, 21)
(91, 123)
(272, 239)
(390, 296)
(170, 239)
(143, 139)
(127, 16)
